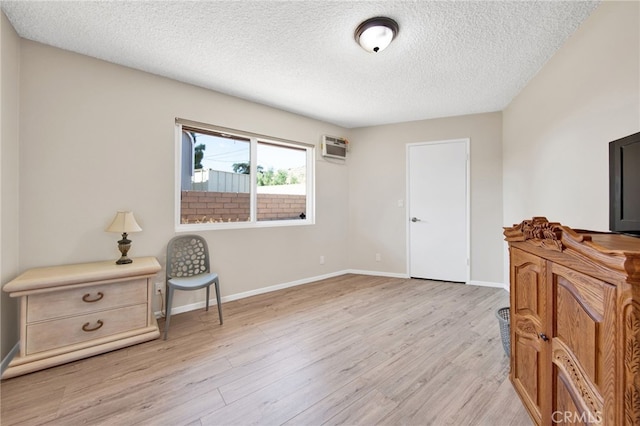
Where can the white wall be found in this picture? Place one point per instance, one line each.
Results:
(556, 131)
(377, 180)
(9, 218)
(97, 137)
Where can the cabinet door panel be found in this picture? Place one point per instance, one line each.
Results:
(529, 370)
(565, 410)
(527, 377)
(583, 343)
(527, 303)
(575, 327)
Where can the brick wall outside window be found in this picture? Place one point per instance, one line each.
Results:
(202, 206)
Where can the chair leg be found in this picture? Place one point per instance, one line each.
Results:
(207, 302)
(167, 317)
(217, 284)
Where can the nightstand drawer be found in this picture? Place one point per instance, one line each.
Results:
(85, 300)
(54, 334)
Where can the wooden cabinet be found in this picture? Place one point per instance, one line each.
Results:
(74, 311)
(575, 324)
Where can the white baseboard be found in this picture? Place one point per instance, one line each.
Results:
(377, 273)
(280, 286)
(12, 353)
(488, 284)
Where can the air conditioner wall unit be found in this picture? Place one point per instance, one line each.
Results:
(334, 147)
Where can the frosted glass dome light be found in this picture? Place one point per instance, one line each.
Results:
(375, 34)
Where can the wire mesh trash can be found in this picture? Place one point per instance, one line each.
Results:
(505, 335)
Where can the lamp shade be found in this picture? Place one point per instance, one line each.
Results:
(376, 34)
(124, 222)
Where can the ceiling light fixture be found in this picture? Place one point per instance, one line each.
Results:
(376, 34)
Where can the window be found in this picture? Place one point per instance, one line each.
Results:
(234, 179)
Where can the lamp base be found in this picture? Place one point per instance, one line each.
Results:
(124, 245)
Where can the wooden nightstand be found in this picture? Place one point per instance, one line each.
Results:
(74, 311)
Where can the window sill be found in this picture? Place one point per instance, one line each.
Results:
(195, 227)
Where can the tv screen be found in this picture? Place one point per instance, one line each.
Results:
(624, 185)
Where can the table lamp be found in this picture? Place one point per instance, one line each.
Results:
(124, 223)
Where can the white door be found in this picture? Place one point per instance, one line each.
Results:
(438, 230)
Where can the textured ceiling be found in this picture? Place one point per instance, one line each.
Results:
(449, 58)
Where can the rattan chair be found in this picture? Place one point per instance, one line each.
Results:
(188, 269)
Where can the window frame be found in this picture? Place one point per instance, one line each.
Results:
(253, 194)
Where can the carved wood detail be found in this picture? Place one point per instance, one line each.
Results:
(584, 389)
(526, 326)
(538, 231)
(632, 364)
(606, 251)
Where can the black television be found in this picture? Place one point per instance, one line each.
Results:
(624, 185)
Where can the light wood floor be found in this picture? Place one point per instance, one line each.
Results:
(352, 350)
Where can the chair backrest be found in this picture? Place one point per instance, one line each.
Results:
(187, 255)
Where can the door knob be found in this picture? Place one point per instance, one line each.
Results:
(415, 219)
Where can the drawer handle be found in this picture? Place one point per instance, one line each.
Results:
(86, 327)
(86, 297)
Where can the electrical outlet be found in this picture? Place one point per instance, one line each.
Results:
(378, 257)
(158, 288)
(322, 260)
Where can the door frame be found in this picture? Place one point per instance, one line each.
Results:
(467, 144)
